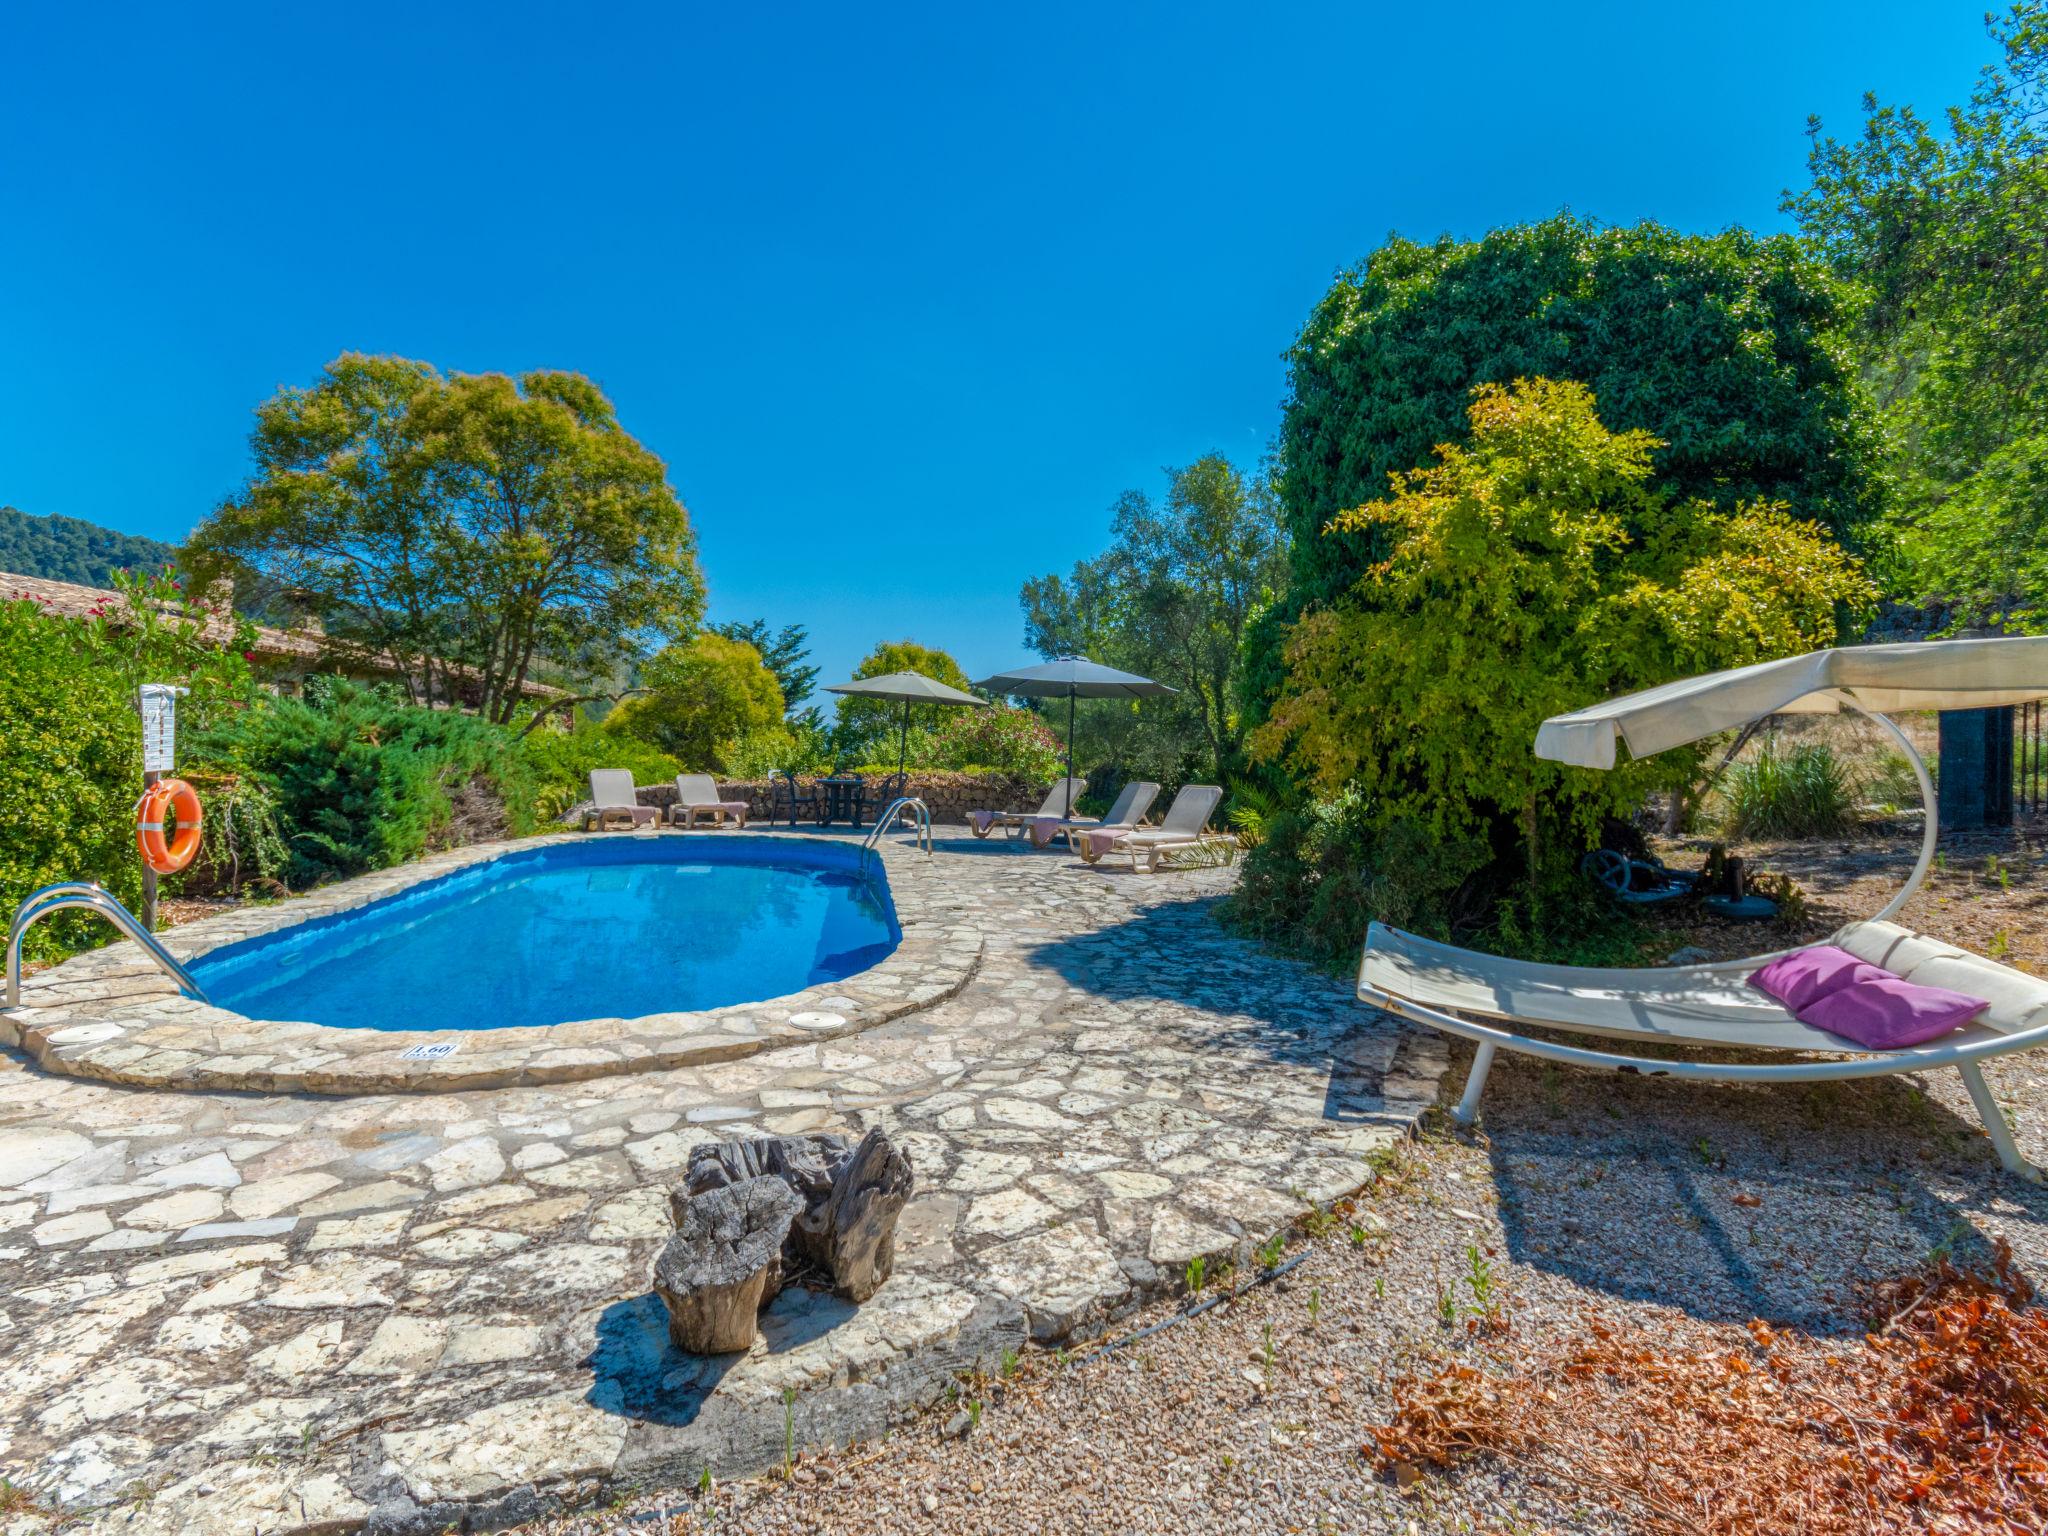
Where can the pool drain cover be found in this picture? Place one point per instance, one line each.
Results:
(814, 1020)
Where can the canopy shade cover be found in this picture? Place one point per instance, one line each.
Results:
(911, 687)
(1882, 679)
(1073, 677)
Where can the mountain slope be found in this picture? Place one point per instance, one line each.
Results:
(69, 549)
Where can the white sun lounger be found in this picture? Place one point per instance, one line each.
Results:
(1185, 825)
(1456, 990)
(1064, 792)
(697, 795)
(612, 800)
(1133, 804)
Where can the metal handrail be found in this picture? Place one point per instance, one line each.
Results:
(89, 897)
(902, 803)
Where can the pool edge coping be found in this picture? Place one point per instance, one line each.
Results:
(111, 1016)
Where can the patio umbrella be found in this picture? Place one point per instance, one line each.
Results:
(1071, 678)
(911, 688)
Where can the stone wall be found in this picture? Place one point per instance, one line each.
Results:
(949, 796)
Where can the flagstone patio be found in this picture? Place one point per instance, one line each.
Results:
(230, 1310)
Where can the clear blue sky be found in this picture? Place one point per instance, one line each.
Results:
(904, 296)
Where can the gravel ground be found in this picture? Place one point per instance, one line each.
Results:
(1662, 1207)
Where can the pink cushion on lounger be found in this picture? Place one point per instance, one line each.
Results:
(1885, 1011)
(1806, 976)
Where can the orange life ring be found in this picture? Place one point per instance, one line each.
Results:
(168, 806)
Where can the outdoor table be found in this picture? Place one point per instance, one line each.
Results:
(843, 800)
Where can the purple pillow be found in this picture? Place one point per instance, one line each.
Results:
(1886, 1012)
(1807, 975)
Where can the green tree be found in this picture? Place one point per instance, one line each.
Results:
(474, 526)
(1729, 349)
(703, 696)
(866, 728)
(1535, 571)
(1942, 232)
(782, 652)
(1172, 598)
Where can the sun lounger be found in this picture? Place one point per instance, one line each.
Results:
(1490, 1000)
(1062, 794)
(697, 795)
(1133, 804)
(612, 802)
(1185, 825)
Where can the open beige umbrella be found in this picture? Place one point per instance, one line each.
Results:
(911, 688)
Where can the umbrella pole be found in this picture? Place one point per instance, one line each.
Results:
(1070, 754)
(903, 742)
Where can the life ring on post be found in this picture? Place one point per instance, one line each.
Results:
(167, 823)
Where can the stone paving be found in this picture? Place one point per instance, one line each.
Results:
(242, 1310)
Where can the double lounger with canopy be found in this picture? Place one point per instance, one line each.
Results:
(1483, 998)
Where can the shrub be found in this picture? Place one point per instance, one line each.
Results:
(1515, 588)
(245, 835)
(1804, 792)
(365, 780)
(703, 696)
(998, 739)
(71, 741)
(560, 763)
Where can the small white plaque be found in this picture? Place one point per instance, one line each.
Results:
(159, 726)
(439, 1050)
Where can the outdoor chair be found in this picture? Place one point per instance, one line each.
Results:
(1133, 804)
(1064, 792)
(787, 796)
(1185, 825)
(613, 802)
(697, 795)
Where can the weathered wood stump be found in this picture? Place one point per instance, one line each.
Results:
(724, 1263)
(855, 1230)
(843, 1203)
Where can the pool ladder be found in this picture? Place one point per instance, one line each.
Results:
(903, 805)
(90, 898)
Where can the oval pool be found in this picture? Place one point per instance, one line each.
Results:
(611, 927)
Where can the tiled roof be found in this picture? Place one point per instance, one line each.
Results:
(72, 601)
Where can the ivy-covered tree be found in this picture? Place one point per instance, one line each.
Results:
(472, 525)
(1944, 232)
(1729, 349)
(1534, 570)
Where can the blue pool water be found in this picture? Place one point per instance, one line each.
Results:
(605, 928)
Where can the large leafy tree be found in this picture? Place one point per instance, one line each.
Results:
(1727, 348)
(1534, 570)
(1944, 230)
(1171, 598)
(701, 698)
(784, 652)
(474, 526)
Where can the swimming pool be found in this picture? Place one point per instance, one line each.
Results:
(601, 928)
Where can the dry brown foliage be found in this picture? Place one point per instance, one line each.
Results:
(1937, 1420)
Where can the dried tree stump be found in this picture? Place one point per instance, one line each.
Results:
(724, 1263)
